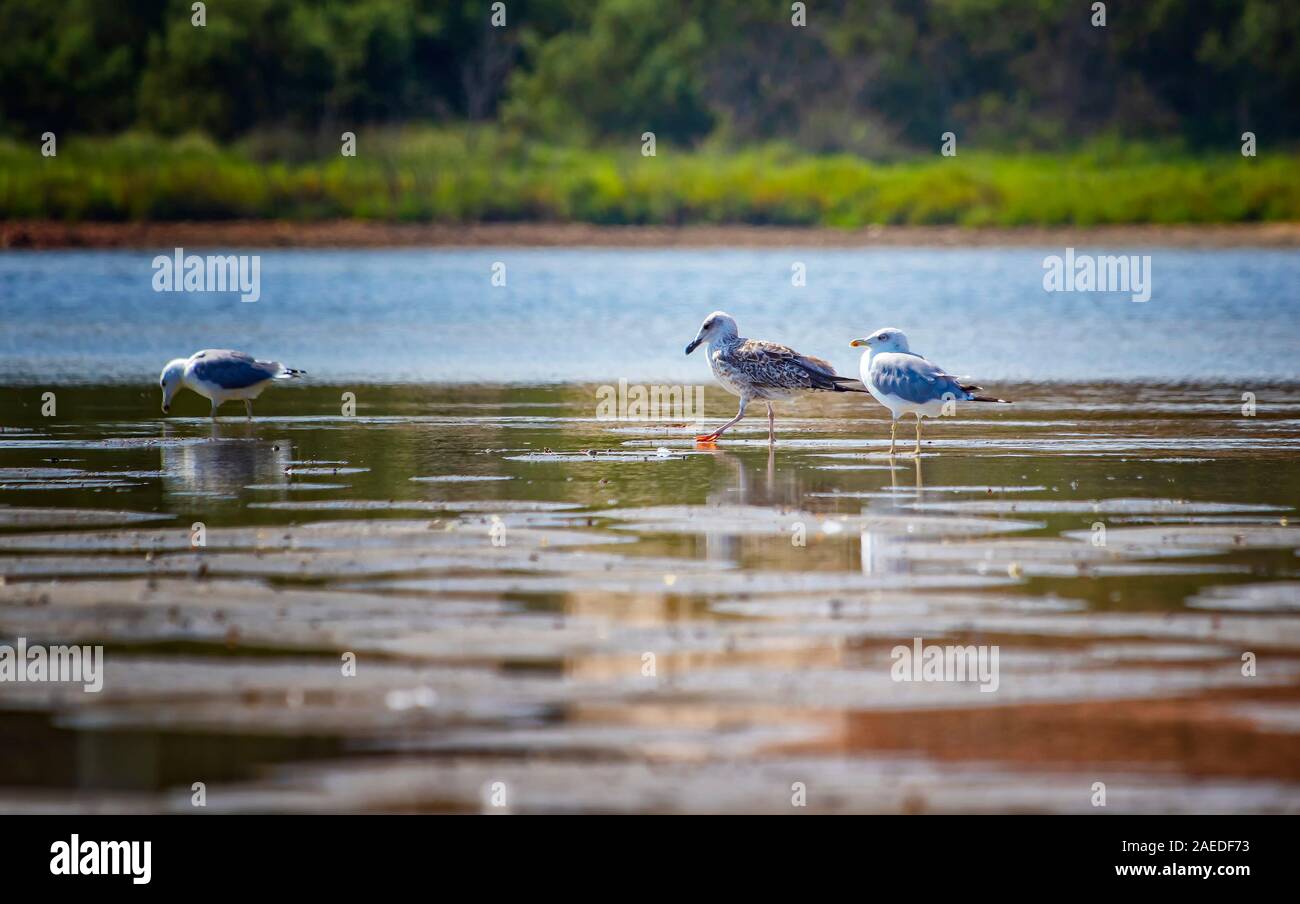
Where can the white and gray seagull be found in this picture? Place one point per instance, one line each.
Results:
(221, 375)
(757, 369)
(904, 382)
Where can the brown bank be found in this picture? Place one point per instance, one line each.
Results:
(42, 234)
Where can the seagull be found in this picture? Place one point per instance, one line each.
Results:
(757, 369)
(904, 382)
(221, 375)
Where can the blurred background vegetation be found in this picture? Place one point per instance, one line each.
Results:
(836, 123)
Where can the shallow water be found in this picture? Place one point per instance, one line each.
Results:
(584, 314)
(503, 564)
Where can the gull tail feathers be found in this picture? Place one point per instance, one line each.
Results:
(847, 384)
(822, 376)
(971, 388)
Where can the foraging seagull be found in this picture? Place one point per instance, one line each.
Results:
(756, 369)
(221, 375)
(903, 381)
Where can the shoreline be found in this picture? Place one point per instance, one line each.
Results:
(22, 382)
(50, 235)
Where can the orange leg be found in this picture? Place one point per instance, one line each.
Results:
(711, 437)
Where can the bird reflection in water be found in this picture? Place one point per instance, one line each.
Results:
(880, 549)
(221, 465)
(739, 487)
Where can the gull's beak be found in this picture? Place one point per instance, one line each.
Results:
(857, 342)
(694, 343)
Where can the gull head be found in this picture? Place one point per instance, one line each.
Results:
(718, 325)
(171, 380)
(887, 340)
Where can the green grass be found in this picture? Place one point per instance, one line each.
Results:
(464, 175)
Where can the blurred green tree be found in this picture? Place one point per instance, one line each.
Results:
(879, 78)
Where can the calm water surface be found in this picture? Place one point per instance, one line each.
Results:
(606, 617)
(599, 314)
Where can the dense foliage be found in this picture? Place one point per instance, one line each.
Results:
(876, 78)
(479, 174)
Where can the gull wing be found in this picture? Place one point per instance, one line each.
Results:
(914, 379)
(768, 364)
(234, 370)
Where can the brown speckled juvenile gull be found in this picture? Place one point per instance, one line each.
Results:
(757, 369)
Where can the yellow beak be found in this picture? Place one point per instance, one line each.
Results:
(856, 342)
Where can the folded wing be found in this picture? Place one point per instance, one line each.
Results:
(914, 379)
(234, 370)
(778, 366)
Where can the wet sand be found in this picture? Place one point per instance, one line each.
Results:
(363, 234)
(600, 616)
